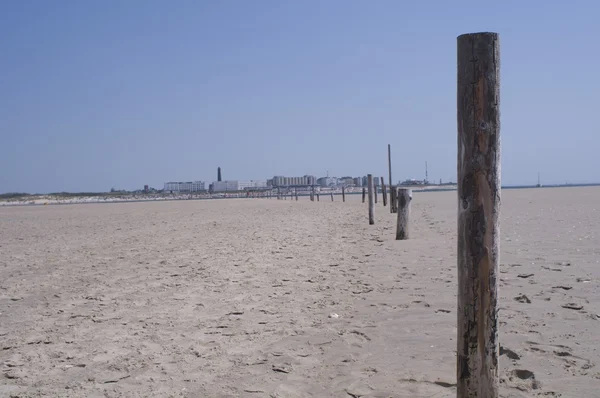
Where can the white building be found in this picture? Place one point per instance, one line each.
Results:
(225, 186)
(252, 184)
(234, 185)
(191, 186)
(327, 181)
(281, 181)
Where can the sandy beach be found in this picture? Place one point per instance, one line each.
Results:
(282, 298)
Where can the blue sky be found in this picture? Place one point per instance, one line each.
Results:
(101, 94)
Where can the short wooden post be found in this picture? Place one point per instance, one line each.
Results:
(318, 197)
(383, 192)
(332, 196)
(404, 198)
(296, 193)
(343, 194)
(393, 199)
(371, 205)
(478, 173)
(312, 194)
(364, 194)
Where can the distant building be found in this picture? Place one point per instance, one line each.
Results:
(195, 186)
(358, 182)
(346, 181)
(327, 181)
(281, 181)
(376, 181)
(146, 188)
(234, 185)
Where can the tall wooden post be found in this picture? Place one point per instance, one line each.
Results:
(383, 192)
(343, 194)
(392, 189)
(371, 205)
(478, 117)
(402, 227)
(375, 190)
(364, 193)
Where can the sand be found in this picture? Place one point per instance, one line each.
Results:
(267, 298)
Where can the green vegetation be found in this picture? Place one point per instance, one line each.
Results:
(14, 195)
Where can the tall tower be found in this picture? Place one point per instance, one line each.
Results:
(218, 174)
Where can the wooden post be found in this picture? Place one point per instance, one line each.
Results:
(478, 116)
(343, 194)
(318, 197)
(383, 192)
(364, 193)
(332, 196)
(404, 198)
(370, 188)
(375, 189)
(393, 208)
(312, 194)
(296, 193)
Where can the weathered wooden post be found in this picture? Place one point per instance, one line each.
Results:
(383, 192)
(332, 196)
(312, 194)
(318, 197)
(404, 196)
(364, 193)
(343, 194)
(393, 203)
(296, 193)
(371, 205)
(478, 116)
(375, 189)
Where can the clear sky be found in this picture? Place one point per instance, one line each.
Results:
(101, 94)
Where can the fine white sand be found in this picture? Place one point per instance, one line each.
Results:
(268, 298)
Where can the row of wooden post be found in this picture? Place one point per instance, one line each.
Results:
(478, 180)
(404, 196)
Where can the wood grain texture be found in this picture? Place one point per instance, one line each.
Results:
(402, 227)
(370, 194)
(383, 192)
(478, 173)
(392, 203)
